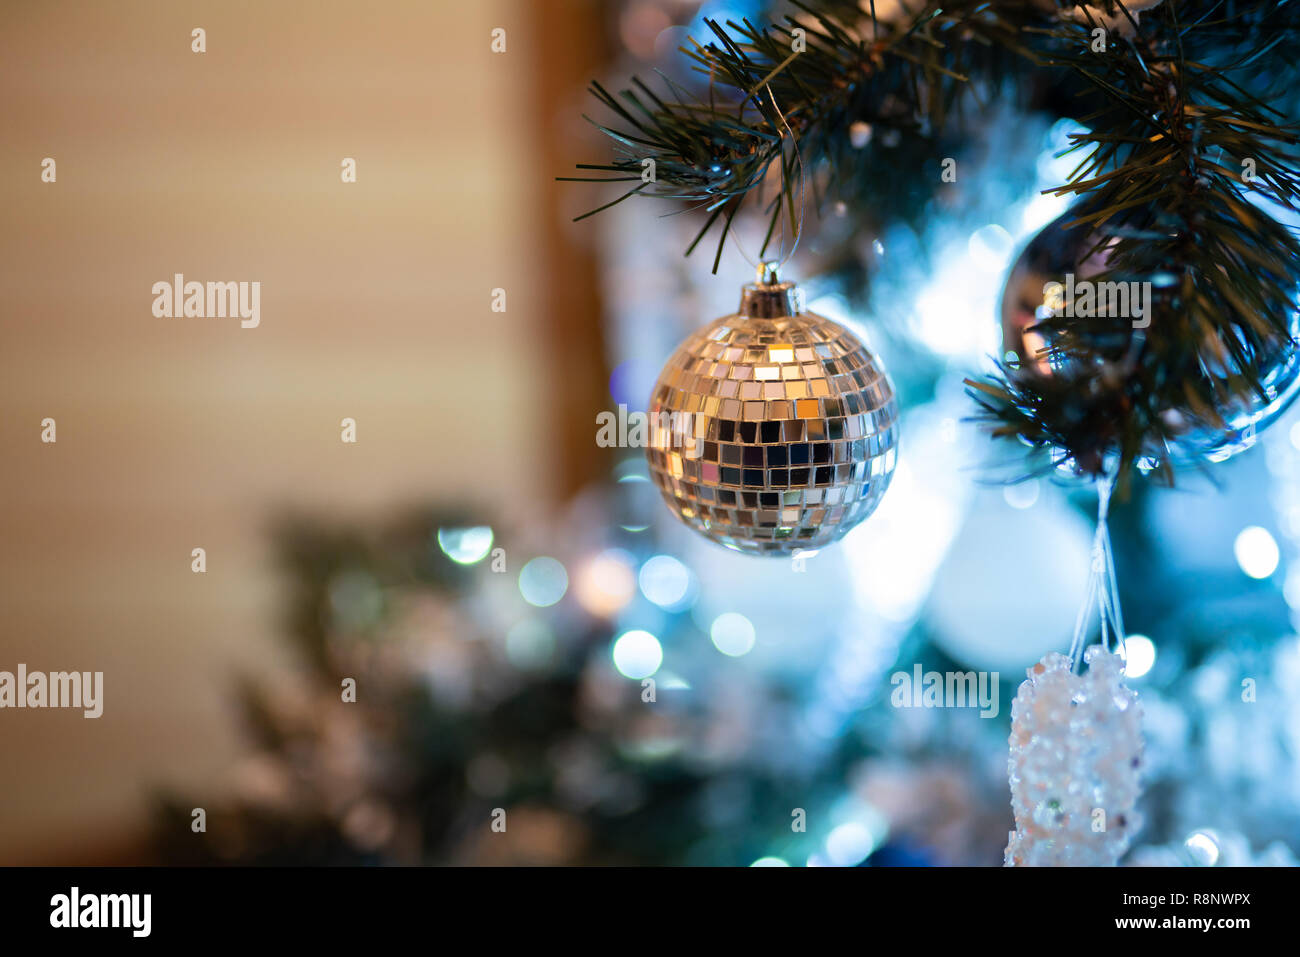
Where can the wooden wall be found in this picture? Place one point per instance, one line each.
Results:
(177, 433)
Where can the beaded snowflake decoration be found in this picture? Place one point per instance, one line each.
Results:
(1076, 751)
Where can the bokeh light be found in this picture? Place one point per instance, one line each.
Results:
(1139, 655)
(631, 383)
(530, 644)
(770, 862)
(606, 583)
(850, 844)
(639, 26)
(732, 634)
(1256, 551)
(637, 654)
(1202, 848)
(543, 581)
(991, 246)
(665, 581)
(465, 546)
(1021, 495)
(1291, 588)
(638, 499)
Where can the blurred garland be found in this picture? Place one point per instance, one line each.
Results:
(1173, 106)
(390, 778)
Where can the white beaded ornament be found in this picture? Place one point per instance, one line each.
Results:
(1076, 751)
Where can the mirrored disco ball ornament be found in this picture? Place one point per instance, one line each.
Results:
(773, 429)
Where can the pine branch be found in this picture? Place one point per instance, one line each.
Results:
(1172, 209)
(903, 82)
(1178, 105)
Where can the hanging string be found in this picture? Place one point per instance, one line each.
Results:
(1103, 586)
(803, 183)
(783, 256)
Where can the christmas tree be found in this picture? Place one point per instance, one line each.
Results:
(981, 181)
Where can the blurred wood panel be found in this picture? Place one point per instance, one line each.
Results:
(571, 51)
(179, 433)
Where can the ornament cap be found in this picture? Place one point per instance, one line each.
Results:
(768, 297)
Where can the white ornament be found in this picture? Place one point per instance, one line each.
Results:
(1076, 750)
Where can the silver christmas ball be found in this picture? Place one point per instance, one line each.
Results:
(1046, 262)
(773, 429)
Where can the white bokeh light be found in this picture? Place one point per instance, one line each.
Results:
(1203, 848)
(637, 654)
(1139, 655)
(991, 246)
(850, 844)
(1021, 495)
(1256, 551)
(1291, 589)
(732, 634)
(665, 581)
(465, 546)
(543, 581)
